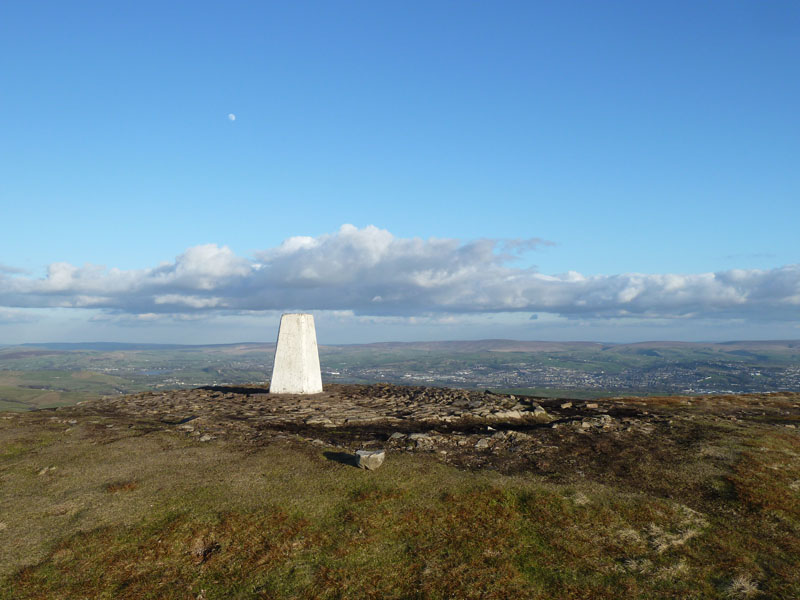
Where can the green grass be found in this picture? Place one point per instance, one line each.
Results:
(30, 390)
(20, 399)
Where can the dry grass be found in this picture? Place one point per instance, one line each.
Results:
(742, 586)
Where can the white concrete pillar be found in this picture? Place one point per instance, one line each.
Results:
(296, 368)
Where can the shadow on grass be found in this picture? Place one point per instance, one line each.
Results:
(342, 457)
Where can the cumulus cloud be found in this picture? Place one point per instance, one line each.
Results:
(371, 272)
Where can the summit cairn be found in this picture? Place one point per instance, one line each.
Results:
(296, 366)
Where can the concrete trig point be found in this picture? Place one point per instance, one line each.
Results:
(296, 367)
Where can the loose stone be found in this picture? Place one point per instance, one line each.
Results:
(370, 459)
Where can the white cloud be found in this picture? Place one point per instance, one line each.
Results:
(190, 301)
(371, 272)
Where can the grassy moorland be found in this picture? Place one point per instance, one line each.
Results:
(31, 390)
(705, 505)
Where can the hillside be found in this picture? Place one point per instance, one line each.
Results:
(228, 492)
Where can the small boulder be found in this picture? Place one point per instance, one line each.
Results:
(370, 459)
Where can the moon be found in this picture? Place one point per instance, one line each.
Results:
(231, 117)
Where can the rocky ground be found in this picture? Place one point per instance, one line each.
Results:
(468, 428)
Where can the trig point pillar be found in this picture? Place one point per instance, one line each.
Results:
(296, 367)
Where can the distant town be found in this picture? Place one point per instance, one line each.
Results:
(683, 379)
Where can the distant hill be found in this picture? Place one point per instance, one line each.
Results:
(492, 345)
(484, 346)
(544, 346)
(114, 346)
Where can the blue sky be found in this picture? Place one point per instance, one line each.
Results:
(657, 138)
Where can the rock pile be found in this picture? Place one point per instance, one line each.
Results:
(338, 406)
(467, 428)
(447, 422)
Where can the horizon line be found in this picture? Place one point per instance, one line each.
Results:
(443, 341)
